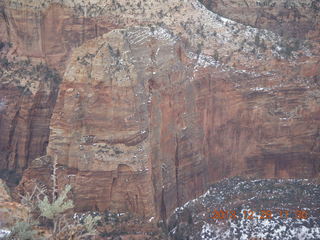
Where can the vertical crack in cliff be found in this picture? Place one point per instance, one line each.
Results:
(29, 134)
(276, 167)
(10, 142)
(177, 170)
(316, 144)
(163, 210)
(43, 105)
(315, 149)
(114, 181)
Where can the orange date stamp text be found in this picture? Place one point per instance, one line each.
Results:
(261, 214)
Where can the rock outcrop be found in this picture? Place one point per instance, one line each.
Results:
(47, 32)
(27, 98)
(297, 19)
(147, 117)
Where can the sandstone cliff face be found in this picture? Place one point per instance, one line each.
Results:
(48, 34)
(173, 119)
(104, 124)
(147, 117)
(27, 97)
(40, 43)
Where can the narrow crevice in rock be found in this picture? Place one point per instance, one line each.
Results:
(177, 171)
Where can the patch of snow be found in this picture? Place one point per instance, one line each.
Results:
(164, 34)
(3, 104)
(261, 89)
(4, 233)
(204, 60)
(276, 228)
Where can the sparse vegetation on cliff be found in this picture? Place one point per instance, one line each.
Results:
(266, 3)
(2, 44)
(55, 209)
(27, 77)
(22, 230)
(52, 213)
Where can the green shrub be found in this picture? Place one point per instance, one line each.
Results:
(56, 208)
(22, 231)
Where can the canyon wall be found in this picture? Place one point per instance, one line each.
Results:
(35, 46)
(148, 115)
(27, 97)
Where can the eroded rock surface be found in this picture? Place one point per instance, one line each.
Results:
(147, 117)
(27, 97)
(298, 19)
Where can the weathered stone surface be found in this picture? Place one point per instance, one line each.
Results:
(27, 97)
(298, 19)
(173, 121)
(101, 123)
(47, 34)
(146, 118)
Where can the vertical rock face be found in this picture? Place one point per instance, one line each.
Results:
(101, 121)
(47, 33)
(145, 120)
(148, 126)
(27, 97)
(117, 122)
(28, 89)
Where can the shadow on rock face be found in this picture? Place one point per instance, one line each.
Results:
(11, 177)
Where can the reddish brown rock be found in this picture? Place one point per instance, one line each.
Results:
(145, 120)
(165, 125)
(48, 34)
(28, 88)
(27, 97)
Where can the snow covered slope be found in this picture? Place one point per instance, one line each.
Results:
(195, 219)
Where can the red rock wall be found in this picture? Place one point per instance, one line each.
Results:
(144, 121)
(231, 132)
(48, 35)
(27, 94)
(42, 37)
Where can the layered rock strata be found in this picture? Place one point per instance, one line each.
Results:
(147, 117)
(27, 98)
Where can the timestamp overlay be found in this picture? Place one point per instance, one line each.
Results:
(290, 224)
(251, 209)
(221, 214)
